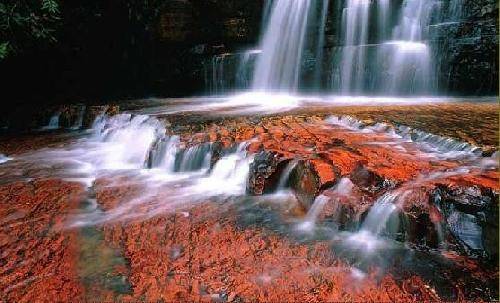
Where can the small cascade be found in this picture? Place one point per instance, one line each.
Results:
(285, 176)
(245, 68)
(229, 175)
(194, 158)
(380, 213)
(127, 140)
(368, 238)
(230, 71)
(309, 223)
(163, 153)
(455, 10)
(79, 119)
(217, 81)
(53, 122)
(433, 145)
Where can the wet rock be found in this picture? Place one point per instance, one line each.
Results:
(346, 205)
(471, 215)
(70, 114)
(92, 112)
(264, 173)
(305, 182)
(367, 180)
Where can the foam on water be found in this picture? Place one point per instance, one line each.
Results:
(429, 144)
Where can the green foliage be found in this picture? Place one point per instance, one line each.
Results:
(4, 50)
(50, 6)
(24, 24)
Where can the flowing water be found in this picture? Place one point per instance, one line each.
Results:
(278, 66)
(382, 48)
(53, 122)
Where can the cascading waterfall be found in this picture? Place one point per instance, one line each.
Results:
(380, 62)
(376, 220)
(355, 25)
(278, 67)
(227, 72)
(382, 47)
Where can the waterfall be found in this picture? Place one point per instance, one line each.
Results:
(397, 63)
(246, 67)
(229, 175)
(312, 215)
(53, 122)
(380, 213)
(195, 158)
(376, 222)
(163, 154)
(381, 47)
(279, 65)
(230, 71)
(79, 119)
(355, 28)
(320, 43)
(455, 10)
(127, 140)
(285, 176)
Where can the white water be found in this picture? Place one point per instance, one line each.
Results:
(120, 149)
(309, 222)
(355, 29)
(403, 58)
(382, 47)
(342, 189)
(278, 67)
(4, 158)
(376, 220)
(285, 176)
(429, 144)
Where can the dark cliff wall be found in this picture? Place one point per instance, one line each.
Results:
(108, 50)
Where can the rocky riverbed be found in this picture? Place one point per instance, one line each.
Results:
(161, 202)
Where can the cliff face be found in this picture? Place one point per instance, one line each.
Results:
(469, 50)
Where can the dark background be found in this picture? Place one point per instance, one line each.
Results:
(114, 50)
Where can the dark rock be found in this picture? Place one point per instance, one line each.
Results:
(305, 182)
(367, 180)
(471, 215)
(265, 172)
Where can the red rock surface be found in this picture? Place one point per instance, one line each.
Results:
(206, 252)
(38, 260)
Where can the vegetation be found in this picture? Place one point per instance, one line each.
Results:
(26, 23)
